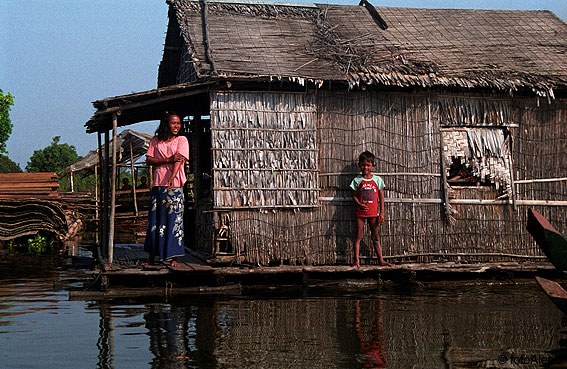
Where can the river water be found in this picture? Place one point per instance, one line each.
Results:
(442, 325)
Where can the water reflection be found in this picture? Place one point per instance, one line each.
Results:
(371, 335)
(105, 340)
(431, 326)
(478, 326)
(168, 328)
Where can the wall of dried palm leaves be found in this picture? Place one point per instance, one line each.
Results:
(404, 131)
(264, 150)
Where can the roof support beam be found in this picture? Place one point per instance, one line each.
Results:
(374, 13)
(206, 37)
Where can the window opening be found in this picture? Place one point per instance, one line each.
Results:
(478, 157)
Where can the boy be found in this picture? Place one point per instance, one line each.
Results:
(369, 199)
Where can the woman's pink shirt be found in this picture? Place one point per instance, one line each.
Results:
(162, 149)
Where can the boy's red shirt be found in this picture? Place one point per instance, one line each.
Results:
(367, 193)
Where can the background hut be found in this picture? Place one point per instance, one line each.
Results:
(465, 110)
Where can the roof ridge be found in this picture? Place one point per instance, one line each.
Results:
(255, 2)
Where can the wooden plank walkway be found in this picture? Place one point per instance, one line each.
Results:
(194, 277)
(129, 258)
(129, 278)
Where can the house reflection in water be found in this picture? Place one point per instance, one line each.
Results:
(427, 326)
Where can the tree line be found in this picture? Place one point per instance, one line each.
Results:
(53, 158)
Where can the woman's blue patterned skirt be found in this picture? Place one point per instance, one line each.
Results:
(164, 237)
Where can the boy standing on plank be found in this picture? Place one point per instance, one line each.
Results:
(369, 199)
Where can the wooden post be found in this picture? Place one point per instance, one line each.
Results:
(112, 191)
(133, 178)
(444, 184)
(198, 169)
(97, 235)
(98, 183)
(511, 169)
(104, 192)
(71, 181)
(215, 244)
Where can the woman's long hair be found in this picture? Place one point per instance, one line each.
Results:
(163, 131)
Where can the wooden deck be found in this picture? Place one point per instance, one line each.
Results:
(129, 259)
(128, 277)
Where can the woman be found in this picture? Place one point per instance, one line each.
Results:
(168, 150)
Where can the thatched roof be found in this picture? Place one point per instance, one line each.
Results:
(139, 141)
(149, 105)
(506, 50)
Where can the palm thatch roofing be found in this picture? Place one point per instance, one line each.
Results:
(506, 50)
(149, 105)
(498, 49)
(139, 141)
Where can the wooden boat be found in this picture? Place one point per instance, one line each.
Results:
(554, 246)
(551, 242)
(555, 292)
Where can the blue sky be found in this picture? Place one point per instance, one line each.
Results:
(57, 56)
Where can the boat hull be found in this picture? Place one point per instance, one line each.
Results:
(550, 241)
(555, 292)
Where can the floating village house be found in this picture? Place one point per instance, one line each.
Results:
(465, 110)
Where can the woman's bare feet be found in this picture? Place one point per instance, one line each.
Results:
(149, 263)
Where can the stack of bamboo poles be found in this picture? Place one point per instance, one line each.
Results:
(130, 230)
(83, 202)
(30, 203)
(29, 185)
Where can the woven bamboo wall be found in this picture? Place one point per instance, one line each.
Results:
(540, 149)
(403, 130)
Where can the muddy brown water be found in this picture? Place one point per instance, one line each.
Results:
(441, 325)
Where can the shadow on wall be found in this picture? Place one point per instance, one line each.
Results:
(341, 225)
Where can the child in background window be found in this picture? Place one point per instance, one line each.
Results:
(369, 199)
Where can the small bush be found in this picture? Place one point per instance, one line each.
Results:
(38, 244)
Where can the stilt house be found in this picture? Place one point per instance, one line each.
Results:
(466, 111)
